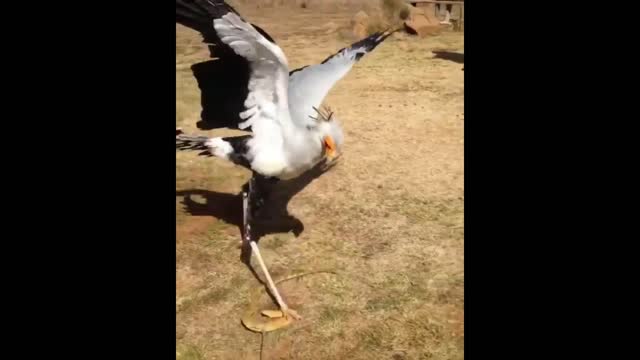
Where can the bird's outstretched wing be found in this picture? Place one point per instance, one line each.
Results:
(309, 85)
(245, 87)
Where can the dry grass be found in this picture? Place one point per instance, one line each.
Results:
(388, 219)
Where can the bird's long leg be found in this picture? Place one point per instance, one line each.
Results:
(283, 306)
(247, 199)
(246, 214)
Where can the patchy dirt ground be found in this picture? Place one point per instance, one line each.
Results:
(388, 220)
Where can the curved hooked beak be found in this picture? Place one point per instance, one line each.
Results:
(331, 152)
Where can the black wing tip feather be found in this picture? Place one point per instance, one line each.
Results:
(373, 40)
(369, 43)
(197, 15)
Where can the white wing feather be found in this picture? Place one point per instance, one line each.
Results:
(309, 86)
(268, 83)
(267, 102)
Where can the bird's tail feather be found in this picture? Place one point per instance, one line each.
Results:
(192, 143)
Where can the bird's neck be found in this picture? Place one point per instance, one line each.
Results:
(302, 147)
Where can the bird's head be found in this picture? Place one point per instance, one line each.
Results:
(331, 135)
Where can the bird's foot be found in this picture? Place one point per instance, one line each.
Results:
(294, 314)
(270, 320)
(283, 312)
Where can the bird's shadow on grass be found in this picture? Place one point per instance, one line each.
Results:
(272, 218)
(450, 56)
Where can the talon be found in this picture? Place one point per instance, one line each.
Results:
(293, 314)
(273, 314)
